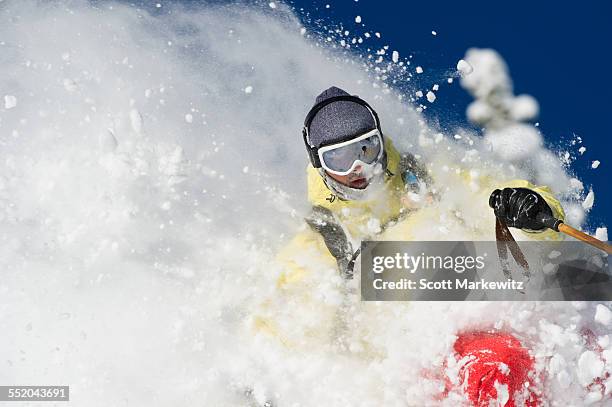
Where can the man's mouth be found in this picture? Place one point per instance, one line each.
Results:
(358, 183)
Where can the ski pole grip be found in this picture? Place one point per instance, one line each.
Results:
(549, 221)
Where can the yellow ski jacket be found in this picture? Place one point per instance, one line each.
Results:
(363, 219)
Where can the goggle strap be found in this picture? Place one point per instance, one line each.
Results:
(313, 152)
(354, 139)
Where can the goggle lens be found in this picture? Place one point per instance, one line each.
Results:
(341, 159)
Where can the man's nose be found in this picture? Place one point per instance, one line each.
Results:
(357, 168)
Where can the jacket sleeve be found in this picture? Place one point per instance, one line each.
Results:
(550, 199)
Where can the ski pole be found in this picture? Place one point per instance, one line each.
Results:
(558, 226)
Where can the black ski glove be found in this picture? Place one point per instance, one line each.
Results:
(521, 208)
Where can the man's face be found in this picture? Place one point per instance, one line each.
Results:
(356, 179)
(354, 162)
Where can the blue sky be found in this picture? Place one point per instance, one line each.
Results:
(557, 53)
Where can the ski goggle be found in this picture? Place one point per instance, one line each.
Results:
(342, 158)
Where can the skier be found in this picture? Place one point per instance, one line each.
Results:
(358, 185)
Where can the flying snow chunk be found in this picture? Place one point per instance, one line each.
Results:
(248, 89)
(581, 150)
(358, 19)
(464, 67)
(419, 94)
(602, 234)
(587, 204)
(479, 112)
(373, 225)
(515, 142)
(574, 214)
(419, 69)
(590, 367)
(272, 5)
(435, 87)
(377, 35)
(576, 184)
(10, 101)
(136, 121)
(431, 97)
(566, 158)
(603, 315)
(189, 118)
(395, 56)
(434, 33)
(524, 107)
(595, 164)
